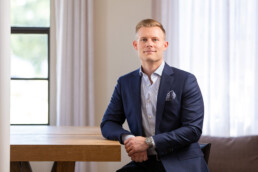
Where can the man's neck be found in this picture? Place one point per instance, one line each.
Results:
(148, 68)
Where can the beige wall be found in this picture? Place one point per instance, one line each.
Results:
(115, 22)
(114, 55)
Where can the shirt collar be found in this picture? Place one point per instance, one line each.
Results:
(157, 71)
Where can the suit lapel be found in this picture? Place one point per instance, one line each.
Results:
(137, 103)
(164, 87)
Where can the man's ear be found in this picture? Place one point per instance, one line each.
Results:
(166, 45)
(135, 45)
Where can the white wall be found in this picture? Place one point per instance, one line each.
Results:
(115, 22)
(4, 85)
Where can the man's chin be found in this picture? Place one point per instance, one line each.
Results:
(152, 60)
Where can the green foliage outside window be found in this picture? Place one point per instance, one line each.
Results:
(33, 13)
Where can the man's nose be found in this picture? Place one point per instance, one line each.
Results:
(149, 43)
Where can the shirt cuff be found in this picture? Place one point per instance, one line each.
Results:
(126, 136)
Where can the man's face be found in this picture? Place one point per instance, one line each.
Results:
(150, 44)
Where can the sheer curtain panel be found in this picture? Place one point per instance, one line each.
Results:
(74, 23)
(217, 40)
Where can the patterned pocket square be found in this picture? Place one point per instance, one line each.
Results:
(171, 95)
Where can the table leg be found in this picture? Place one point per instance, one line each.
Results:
(20, 167)
(64, 166)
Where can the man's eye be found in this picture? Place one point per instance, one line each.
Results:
(144, 40)
(155, 40)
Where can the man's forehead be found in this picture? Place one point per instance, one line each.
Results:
(150, 29)
(150, 32)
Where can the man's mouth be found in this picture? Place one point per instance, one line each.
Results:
(149, 51)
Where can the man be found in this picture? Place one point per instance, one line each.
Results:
(163, 107)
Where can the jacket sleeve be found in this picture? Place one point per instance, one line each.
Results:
(191, 119)
(114, 117)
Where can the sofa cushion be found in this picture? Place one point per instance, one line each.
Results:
(237, 154)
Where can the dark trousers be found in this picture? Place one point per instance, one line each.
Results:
(151, 165)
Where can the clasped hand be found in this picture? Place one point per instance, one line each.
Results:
(136, 148)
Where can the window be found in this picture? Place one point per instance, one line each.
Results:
(30, 62)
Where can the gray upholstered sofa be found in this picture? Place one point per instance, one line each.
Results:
(232, 154)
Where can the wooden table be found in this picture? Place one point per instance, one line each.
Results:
(64, 145)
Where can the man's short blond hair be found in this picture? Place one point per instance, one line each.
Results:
(149, 23)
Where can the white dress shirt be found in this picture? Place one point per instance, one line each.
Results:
(149, 94)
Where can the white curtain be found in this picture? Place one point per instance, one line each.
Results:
(217, 40)
(5, 56)
(75, 100)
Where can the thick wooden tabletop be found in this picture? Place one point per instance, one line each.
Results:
(49, 143)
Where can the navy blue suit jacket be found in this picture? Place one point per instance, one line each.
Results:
(178, 120)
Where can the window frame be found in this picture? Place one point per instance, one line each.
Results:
(36, 30)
